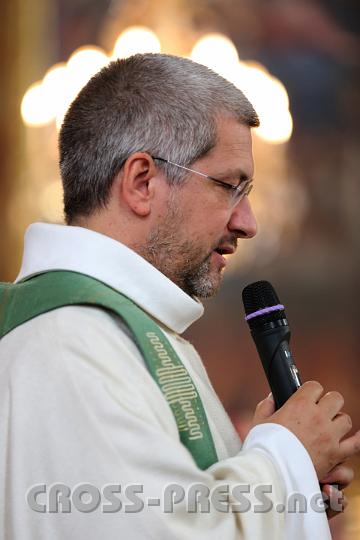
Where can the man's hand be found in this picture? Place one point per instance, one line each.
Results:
(317, 421)
(341, 476)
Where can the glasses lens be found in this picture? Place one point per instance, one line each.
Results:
(242, 191)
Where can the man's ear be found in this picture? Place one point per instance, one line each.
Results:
(136, 186)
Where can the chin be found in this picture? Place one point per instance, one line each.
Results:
(207, 287)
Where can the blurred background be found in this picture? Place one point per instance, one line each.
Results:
(298, 62)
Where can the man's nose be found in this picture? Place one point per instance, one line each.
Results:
(242, 220)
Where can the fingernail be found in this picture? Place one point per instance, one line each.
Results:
(270, 396)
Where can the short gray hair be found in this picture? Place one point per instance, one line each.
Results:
(156, 103)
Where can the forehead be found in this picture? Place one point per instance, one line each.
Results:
(233, 148)
(233, 138)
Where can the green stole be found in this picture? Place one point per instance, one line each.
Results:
(27, 299)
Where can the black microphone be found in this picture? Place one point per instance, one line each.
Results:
(271, 334)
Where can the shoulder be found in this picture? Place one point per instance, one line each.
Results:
(77, 353)
(72, 324)
(76, 336)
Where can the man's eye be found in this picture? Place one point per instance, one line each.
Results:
(233, 183)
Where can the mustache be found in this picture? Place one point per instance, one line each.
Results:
(229, 241)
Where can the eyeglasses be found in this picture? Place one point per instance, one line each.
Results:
(237, 192)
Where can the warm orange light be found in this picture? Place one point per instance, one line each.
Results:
(134, 40)
(217, 52)
(36, 107)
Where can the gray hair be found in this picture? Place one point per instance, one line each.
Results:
(156, 103)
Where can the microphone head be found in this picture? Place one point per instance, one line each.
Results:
(262, 304)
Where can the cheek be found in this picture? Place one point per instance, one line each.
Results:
(213, 223)
(204, 223)
(205, 235)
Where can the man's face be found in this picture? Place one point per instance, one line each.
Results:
(202, 218)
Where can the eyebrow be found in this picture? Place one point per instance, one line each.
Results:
(234, 173)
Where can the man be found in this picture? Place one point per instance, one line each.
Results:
(157, 165)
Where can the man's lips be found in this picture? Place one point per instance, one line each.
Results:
(220, 251)
(225, 250)
(220, 259)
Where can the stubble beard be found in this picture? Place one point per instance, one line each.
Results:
(184, 262)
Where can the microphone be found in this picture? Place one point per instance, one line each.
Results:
(271, 334)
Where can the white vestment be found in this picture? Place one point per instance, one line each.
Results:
(78, 406)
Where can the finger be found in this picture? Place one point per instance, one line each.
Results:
(264, 409)
(343, 424)
(312, 390)
(333, 513)
(335, 499)
(332, 403)
(341, 475)
(350, 446)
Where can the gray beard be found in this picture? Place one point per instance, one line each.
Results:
(197, 281)
(181, 263)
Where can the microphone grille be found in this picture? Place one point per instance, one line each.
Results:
(262, 304)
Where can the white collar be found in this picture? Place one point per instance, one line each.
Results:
(61, 247)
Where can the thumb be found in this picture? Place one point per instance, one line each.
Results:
(264, 410)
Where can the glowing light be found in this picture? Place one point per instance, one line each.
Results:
(50, 99)
(36, 109)
(276, 127)
(55, 87)
(83, 64)
(270, 100)
(136, 39)
(267, 94)
(217, 52)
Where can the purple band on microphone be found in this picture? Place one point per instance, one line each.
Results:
(264, 311)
